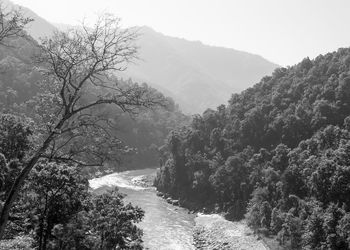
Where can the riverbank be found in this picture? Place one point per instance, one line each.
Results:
(177, 227)
(212, 231)
(215, 232)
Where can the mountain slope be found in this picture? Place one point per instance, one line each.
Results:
(39, 27)
(198, 75)
(278, 154)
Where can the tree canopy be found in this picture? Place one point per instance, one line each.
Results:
(277, 154)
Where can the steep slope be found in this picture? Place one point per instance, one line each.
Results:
(279, 153)
(198, 75)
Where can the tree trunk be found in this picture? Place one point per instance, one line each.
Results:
(12, 196)
(17, 185)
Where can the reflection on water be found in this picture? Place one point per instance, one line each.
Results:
(165, 226)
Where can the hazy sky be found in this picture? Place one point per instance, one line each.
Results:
(279, 30)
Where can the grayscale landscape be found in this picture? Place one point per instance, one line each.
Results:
(174, 125)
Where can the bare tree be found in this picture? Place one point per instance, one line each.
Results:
(12, 23)
(78, 66)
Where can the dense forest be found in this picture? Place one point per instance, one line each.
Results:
(277, 154)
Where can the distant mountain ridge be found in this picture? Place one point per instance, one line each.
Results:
(196, 75)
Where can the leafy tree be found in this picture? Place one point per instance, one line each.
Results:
(315, 234)
(64, 214)
(113, 222)
(105, 223)
(54, 192)
(256, 209)
(333, 215)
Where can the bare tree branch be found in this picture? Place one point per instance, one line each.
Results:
(77, 67)
(12, 24)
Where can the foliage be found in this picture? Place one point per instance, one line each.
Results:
(57, 208)
(113, 221)
(55, 193)
(105, 223)
(278, 152)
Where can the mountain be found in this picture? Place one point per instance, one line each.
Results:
(199, 76)
(196, 75)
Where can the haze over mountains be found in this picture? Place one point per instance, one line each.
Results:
(197, 76)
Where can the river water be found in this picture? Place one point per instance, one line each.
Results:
(165, 226)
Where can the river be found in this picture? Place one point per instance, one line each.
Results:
(165, 226)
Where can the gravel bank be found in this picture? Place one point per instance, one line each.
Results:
(215, 232)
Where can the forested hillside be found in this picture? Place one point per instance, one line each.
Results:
(18, 78)
(278, 153)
